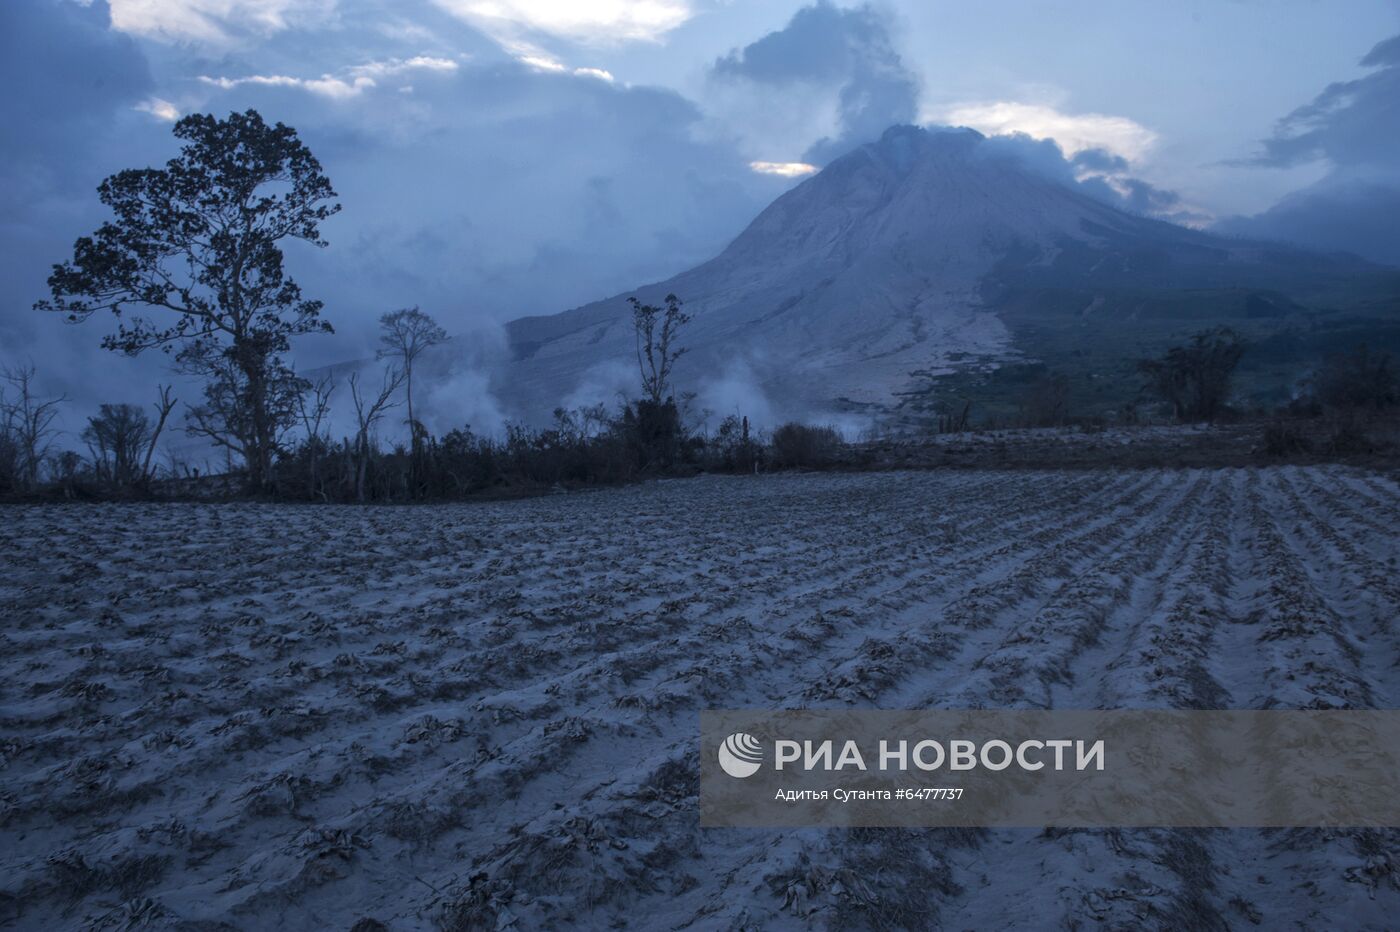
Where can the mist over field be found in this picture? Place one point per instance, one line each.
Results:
(414, 415)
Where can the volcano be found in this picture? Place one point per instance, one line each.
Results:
(923, 257)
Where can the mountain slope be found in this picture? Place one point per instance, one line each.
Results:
(915, 257)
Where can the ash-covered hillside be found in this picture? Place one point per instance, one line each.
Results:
(935, 255)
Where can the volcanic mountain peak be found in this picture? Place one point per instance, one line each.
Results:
(894, 264)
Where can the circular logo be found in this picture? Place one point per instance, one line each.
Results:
(741, 755)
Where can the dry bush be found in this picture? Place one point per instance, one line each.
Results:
(798, 446)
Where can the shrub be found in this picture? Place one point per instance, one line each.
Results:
(1356, 381)
(797, 446)
(733, 449)
(1282, 438)
(653, 433)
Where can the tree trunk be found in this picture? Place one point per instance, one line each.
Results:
(258, 452)
(408, 396)
(165, 407)
(413, 470)
(361, 468)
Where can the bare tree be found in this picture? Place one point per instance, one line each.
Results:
(164, 405)
(655, 330)
(368, 411)
(405, 335)
(313, 406)
(27, 422)
(116, 436)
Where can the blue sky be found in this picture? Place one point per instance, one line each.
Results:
(506, 157)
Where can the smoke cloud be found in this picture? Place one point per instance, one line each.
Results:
(845, 55)
(1354, 127)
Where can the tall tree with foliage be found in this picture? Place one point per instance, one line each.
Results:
(652, 425)
(656, 330)
(198, 242)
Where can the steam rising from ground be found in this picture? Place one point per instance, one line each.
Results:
(735, 391)
(604, 384)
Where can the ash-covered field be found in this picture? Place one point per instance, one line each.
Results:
(485, 716)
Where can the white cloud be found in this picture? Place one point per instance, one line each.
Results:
(784, 169)
(214, 21)
(354, 81)
(393, 66)
(159, 108)
(326, 86)
(592, 21)
(1074, 132)
(542, 62)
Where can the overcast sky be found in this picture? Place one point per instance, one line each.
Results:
(497, 158)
